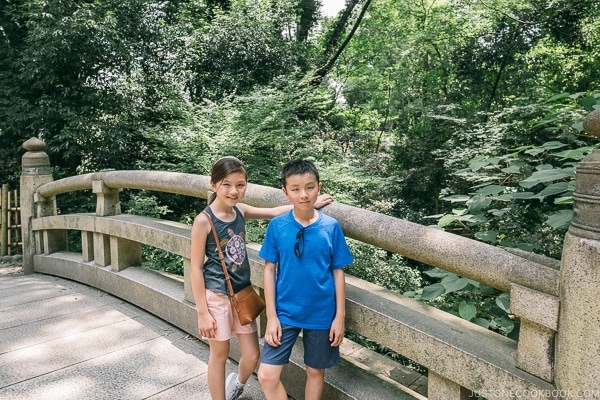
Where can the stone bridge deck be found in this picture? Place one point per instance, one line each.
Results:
(63, 340)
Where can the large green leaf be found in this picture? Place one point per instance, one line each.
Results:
(438, 273)
(578, 126)
(482, 322)
(563, 200)
(547, 175)
(504, 197)
(457, 198)
(503, 301)
(433, 291)
(478, 203)
(490, 189)
(467, 310)
(506, 324)
(477, 165)
(499, 212)
(555, 188)
(523, 195)
(449, 219)
(560, 219)
(513, 169)
(589, 102)
(574, 154)
(453, 283)
(545, 147)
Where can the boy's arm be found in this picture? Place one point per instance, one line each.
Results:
(273, 331)
(336, 333)
(251, 212)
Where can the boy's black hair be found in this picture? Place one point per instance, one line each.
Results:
(298, 167)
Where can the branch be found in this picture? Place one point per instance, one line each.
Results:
(320, 73)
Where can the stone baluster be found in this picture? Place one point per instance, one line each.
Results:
(115, 251)
(539, 322)
(577, 366)
(440, 388)
(107, 203)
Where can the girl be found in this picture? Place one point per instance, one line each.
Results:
(216, 321)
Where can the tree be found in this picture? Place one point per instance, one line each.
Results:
(90, 78)
(241, 48)
(424, 72)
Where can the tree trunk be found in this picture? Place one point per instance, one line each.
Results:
(307, 12)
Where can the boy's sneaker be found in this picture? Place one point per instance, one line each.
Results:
(233, 389)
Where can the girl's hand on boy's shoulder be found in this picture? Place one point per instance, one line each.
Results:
(323, 200)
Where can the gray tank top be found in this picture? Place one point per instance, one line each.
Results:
(232, 238)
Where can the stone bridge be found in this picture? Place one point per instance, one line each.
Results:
(557, 354)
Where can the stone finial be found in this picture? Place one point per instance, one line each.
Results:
(591, 123)
(34, 144)
(35, 161)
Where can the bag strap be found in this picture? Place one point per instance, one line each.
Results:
(221, 256)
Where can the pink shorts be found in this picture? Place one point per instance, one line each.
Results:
(227, 320)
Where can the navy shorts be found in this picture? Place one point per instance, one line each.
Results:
(318, 352)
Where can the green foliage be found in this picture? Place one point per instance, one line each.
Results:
(146, 204)
(241, 48)
(358, 181)
(503, 188)
(271, 126)
(470, 300)
(385, 269)
(90, 78)
(460, 79)
(379, 348)
(161, 260)
(521, 198)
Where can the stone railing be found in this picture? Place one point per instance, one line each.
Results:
(461, 358)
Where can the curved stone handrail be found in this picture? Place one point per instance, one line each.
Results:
(447, 251)
(431, 246)
(172, 182)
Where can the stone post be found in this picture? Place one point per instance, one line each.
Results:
(107, 203)
(35, 171)
(538, 313)
(440, 388)
(5, 230)
(577, 368)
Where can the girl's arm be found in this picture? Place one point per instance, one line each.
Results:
(273, 331)
(200, 230)
(250, 212)
(336, 333)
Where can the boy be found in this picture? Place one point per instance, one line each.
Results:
(305, 252)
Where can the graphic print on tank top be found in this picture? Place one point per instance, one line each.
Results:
(234, 248)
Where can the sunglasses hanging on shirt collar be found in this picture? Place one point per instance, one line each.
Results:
(297, 249)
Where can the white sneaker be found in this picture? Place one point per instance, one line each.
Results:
(233, 389)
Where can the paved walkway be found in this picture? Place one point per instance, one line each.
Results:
(63, 340)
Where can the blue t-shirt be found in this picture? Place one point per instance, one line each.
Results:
(305, 289)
